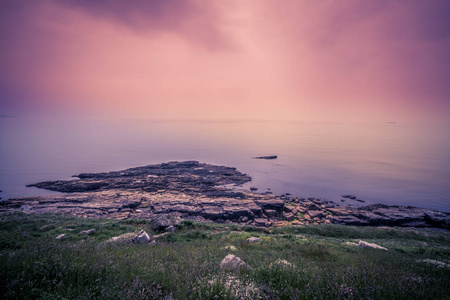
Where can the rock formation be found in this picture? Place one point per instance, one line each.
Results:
(168, 193)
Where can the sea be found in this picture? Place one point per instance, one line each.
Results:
(389, 163)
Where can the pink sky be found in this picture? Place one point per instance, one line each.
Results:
(290, 60)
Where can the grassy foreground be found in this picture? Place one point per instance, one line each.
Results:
(310, 262)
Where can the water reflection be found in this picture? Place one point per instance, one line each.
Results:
(386, 163)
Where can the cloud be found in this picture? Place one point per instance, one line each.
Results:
(194, 20)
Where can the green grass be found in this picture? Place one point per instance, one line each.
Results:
(185, 264)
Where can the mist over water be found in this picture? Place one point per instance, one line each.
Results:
(379, 163)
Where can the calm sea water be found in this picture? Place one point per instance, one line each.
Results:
(381, 163)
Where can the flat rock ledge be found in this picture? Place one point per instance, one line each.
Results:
(196, 191)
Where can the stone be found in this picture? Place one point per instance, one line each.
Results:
(271, 213)
(60, 237)
(141, 237)
(363, 244)
(232, 263)
(349, 196)
(161, 223)
(262, 222)
(315, 213)
(266, 157)
(152, 243)
(243, 219)
(288, 216)
(171, 228)
(87, 232)
(253, 239)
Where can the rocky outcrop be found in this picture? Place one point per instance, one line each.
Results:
(188, 177)
(168, 193)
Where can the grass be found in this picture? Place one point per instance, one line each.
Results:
(320, 261)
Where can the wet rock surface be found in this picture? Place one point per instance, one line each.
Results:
(169, 193)
(188, 177)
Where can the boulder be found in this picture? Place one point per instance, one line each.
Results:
(363, 244)
(90, 231)
(232, 263)
(161, 223)
(141, 237)
(253, 239)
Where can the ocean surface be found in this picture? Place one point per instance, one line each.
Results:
(385, 163)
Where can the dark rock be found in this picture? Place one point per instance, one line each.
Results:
(161, 223)
(266, 157)
(349, 196)
(213, 212)
(188, 177)
(271, 213)
(274, 204)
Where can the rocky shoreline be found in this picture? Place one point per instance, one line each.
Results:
(204, 192)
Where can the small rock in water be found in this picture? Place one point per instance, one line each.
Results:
(60, 237)
(349, 196)
(266, 157)
(252, 188)
(90, 231)
(363, 244)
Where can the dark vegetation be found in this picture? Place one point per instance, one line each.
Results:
(317, 262)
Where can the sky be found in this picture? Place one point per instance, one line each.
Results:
(374, 61)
